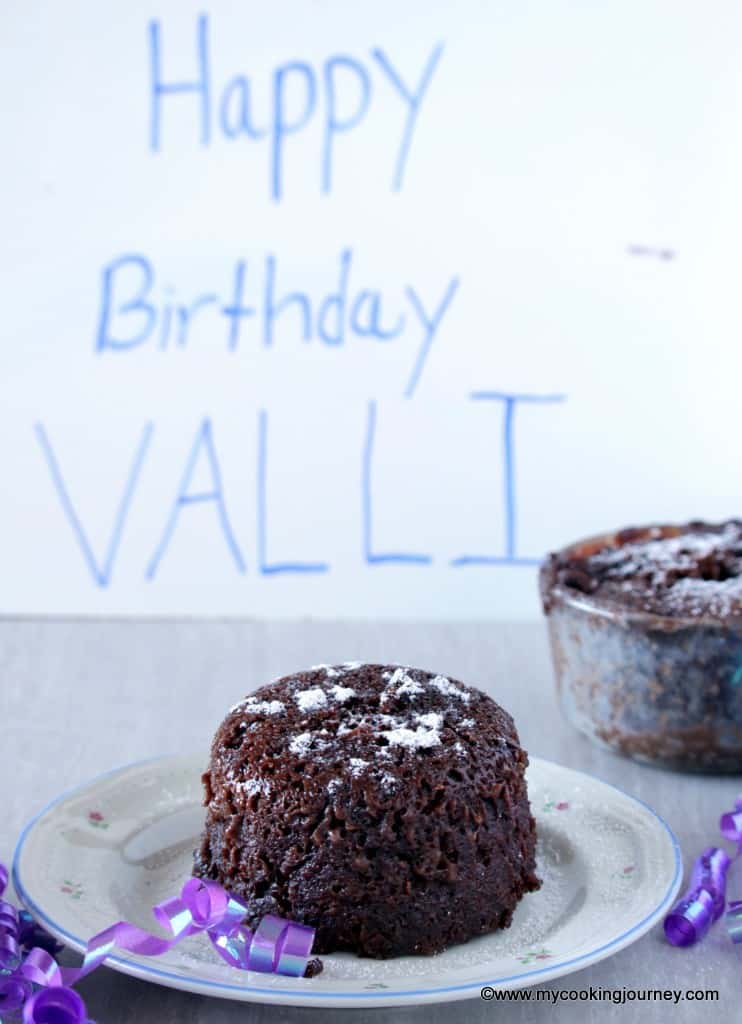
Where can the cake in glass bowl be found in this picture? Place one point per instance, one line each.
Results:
(646, 635)
(384, 806)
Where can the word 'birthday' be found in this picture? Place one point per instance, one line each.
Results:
(136, 309)
(335, 97)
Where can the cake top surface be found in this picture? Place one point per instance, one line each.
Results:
(359, 721)
(690, 571)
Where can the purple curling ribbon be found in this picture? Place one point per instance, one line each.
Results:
(60, 1005)
(731, 828)
(704, 901)
(27, 954)
(733, 920)
(730, 825)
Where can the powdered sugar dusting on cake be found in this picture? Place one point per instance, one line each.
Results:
(329, 670)
(426, 733)
(254, 786)
(690, 596)
(302, 744)
(413, 739)
(666, 558)
(311, 700)
(689, 571)
(342, 693)
(677, 554)
(448, 689)
(372, 735)
(400, 684)
(409, 687)
(253, 706)
(400, 677)
(250, 786)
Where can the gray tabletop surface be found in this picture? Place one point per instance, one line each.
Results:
(78, 698)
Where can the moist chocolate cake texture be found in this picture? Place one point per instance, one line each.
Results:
(646, 635)
(385, 806)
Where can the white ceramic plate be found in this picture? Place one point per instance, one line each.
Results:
(114, 847)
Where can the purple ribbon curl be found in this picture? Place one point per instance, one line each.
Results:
(705, 900)
(33, 984)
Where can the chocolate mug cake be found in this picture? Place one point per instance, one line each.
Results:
(384, 806)
(646, 635)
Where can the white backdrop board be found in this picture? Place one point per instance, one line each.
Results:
(357, 309)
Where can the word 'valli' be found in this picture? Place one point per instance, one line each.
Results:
(204, 457)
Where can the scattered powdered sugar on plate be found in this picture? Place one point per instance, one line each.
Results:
(605, 861)
(574, 874)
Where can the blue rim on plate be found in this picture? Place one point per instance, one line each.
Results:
(156, 975)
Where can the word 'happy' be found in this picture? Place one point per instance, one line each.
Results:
(335, 97)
